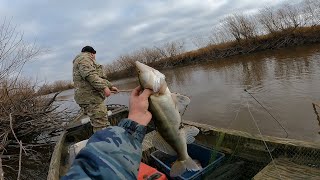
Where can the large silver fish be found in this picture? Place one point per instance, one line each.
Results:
(172, 137)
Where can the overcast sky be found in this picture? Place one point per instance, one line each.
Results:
(112, 27)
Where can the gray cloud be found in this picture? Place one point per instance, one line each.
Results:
(112, 27)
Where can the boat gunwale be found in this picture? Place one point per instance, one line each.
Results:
(54, 172)
(271, 139)
(204, 128)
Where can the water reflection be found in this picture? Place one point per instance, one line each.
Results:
(284, 81)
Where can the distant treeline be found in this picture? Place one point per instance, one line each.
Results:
(270, 28)
(56, 86)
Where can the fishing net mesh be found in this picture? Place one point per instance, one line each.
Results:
(261, 158)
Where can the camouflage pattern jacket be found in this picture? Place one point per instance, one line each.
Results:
(89, 80)
(112, 153)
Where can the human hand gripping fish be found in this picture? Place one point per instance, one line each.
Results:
(139, 106)
(172, 138)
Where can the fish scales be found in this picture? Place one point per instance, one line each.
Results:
(166, 126)
(164, 107)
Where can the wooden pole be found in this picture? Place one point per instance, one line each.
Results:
(123, 90)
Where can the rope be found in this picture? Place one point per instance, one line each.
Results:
(236, 116)
(268, 113)
(264, 142)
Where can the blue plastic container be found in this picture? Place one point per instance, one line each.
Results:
(197, 152)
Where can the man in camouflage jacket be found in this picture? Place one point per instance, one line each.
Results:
(115, 152)
(91, 87)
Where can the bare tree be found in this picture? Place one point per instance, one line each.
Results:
(14, 51)
(171, 49)
(269, 20)
(289, 17)
(200, 41)
(247, 26)
(231, 25)
(240, 26)
(23, 115)
(218, 36)
(215, 37)
(311, 12)
(174, 48)
(150, 55)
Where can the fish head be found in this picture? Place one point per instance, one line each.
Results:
(151, 78)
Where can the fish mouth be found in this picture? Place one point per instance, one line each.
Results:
(137, 70)
(138, 67)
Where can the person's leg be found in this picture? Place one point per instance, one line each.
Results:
(98, 115)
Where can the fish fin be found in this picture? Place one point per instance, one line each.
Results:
(160, 144)
(179, 167)
(180, 101)
(189, 133)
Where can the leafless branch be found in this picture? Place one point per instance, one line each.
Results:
(20, 155)
(1, 171)
(14, 134)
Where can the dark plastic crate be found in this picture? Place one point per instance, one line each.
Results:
(164, 161)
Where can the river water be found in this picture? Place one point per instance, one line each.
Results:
(286, 82)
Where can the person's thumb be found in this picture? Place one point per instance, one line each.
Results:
(146, 93)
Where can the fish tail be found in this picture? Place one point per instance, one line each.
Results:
(179, 167)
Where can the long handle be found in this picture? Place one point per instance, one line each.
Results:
(123, 90)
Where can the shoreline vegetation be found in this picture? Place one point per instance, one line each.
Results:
(237, 34)
(25, 117)
(54, 87)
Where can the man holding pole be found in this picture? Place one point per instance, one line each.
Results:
(91, 88)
